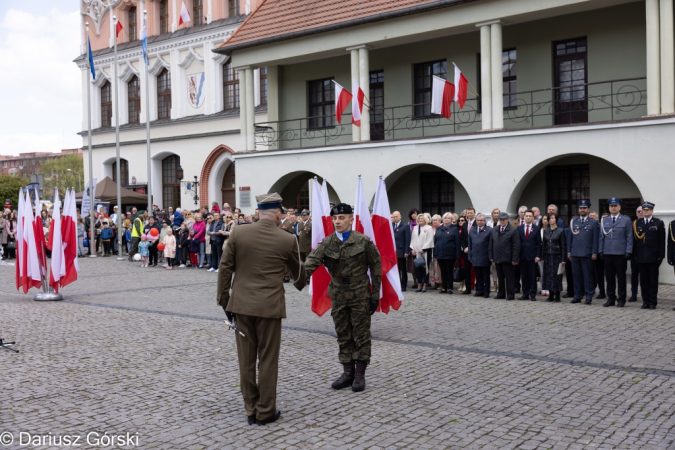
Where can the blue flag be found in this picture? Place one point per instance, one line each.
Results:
(91, 60)
(144, 39)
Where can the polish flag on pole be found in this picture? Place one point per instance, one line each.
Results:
(362, 222)
(318, 284)
(357, 104)
(57, 262)
(442, 94)
(40, 242)
(342, 99)
(184, 15)
(20, 250)
(390, 293)
(325, 204)
(69, 239)
(31, 261)
(461, 87)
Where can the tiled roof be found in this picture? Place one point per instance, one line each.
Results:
(287, 19)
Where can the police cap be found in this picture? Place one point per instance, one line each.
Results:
(648, 205)
(341, 208)
(584, 204)
(614, 201)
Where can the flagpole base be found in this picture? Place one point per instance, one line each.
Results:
(48, 297)
(120, 258)
(92, 256)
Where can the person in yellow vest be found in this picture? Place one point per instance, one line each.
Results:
(136, 232)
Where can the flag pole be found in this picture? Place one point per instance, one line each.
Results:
(117, 153)
(92, 189)
(147, 115)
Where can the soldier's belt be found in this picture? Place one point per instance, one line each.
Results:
(349, 280)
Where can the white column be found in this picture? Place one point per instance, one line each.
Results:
(209, 14)
(112, 30)
(174, 24)
(210, 74)
(144, 88)
(273, 93)
(177, 84)
(497, 76)
(485, 76)
(364, 82)
(356, 131)
(667, 58)
(250, 110)
(653, 58)
(243, 116)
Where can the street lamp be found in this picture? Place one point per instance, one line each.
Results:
(79, 182)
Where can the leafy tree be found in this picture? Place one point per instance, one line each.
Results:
(9, 188)
(56, 174)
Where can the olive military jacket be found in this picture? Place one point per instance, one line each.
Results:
(305, 236)
(257, 256)
(348, 263)
(287, 226)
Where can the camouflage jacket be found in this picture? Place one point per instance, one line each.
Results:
(350, 259)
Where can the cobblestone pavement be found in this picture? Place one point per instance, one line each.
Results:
(145, 352)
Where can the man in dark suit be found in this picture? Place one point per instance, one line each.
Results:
(530, 255)
(504, 250)
(261, 253)
(650, 250)
(402, 239)
(468, 225)
(479, 243)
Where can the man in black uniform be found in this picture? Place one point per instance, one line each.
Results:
(671, 244)
(650, 249)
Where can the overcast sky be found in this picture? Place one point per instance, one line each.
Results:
(41, 106)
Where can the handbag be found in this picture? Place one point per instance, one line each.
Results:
(11, 244)
(458, 274)
(419, 262)
(85, 243)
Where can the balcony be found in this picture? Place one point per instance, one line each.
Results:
(604, 101)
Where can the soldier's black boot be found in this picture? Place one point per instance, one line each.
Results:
(347, 377)
(360, 376)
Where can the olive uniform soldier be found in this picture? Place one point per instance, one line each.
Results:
(286, 225)
(616, 248)
(260, 253)
(305, 235)
(348, 255)
(650, 250)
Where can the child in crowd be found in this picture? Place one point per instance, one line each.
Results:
(162, 235)
(106, 238)
(194, 249)
(127, 236)
(169, 242)
(143, 249)
(80, 237)
(183, 243)
(152, 248)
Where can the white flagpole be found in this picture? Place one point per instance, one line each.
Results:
(147, 118)
(92, 188)
(117, 152)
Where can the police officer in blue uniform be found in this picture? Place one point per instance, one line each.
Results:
(616, 249)
(582, 245)
(650, 250)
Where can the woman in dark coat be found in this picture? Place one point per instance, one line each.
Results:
(446, 250)
(412, 215)
(553, 252)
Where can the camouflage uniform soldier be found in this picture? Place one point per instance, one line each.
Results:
(348, 255)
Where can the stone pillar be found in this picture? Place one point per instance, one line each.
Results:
(364, 83)
(653, 59)
(272, 93)
(667, 58)
(243, 116)
(250, 110)
(356, 131)
(497, 75)
(174, 23)
(177, 91)
(485, 76)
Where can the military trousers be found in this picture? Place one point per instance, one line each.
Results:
(649, 283)
(262, 342)
(582, 273)
(615, 272)
(351, 316)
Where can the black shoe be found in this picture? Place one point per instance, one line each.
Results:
(403, 288)
(652, 306)
(533, 299)
(251, 419)
(467, 292)
(424, 290)
(418, 290)
(633, 299)
(620, 304)
(478, 294)
(524, 297)
(516, 291)
(486, 295)
(442, 291)
(500, 297)
(608, 303)
(601, 296)
(450, 291)
(347, 377)
(551, 298)
(574, 300)
(359, 376)
(588, 301)
(274, 418)
(568, 295)
(644, 306)
(510, 298)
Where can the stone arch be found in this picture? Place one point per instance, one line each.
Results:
(218, 161)
(289, 185)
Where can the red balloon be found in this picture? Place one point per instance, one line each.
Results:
(160, 247)
(154, 232)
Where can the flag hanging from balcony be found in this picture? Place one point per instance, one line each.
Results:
(184, 15)
(442, 94)
(342, 99)
(461, 87)
(357, 104)
(118, 28)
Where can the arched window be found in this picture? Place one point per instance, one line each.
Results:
(230, 87)
(228, 188)
(163, 17)
(134, 96)
(124, 172)
(170, 182)
(164, 94)
(106, 105)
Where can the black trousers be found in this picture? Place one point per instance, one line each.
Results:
(528, 272)
(482, 279)
(516, 276)
(153, 255)
(107, 247)
(446, 266)
(569, 277)
(422, 273)
(599, 275)
(402, 271)
(506, 277)
(216, 253)
(467, 273)
(649, 283)
(634, 277)
(615, 272)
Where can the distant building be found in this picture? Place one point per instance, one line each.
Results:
(29, 163)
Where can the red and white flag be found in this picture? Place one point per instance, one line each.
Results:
(342, 99)
(69, 239)
(357, 103)
(318, 284)
(442, 94)
(461, 87)
(362, 222)
(33, 275)
(58, 267)
(390, 293)
(325, 204)
(18, 237)
(40, 242)
(184, 15)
